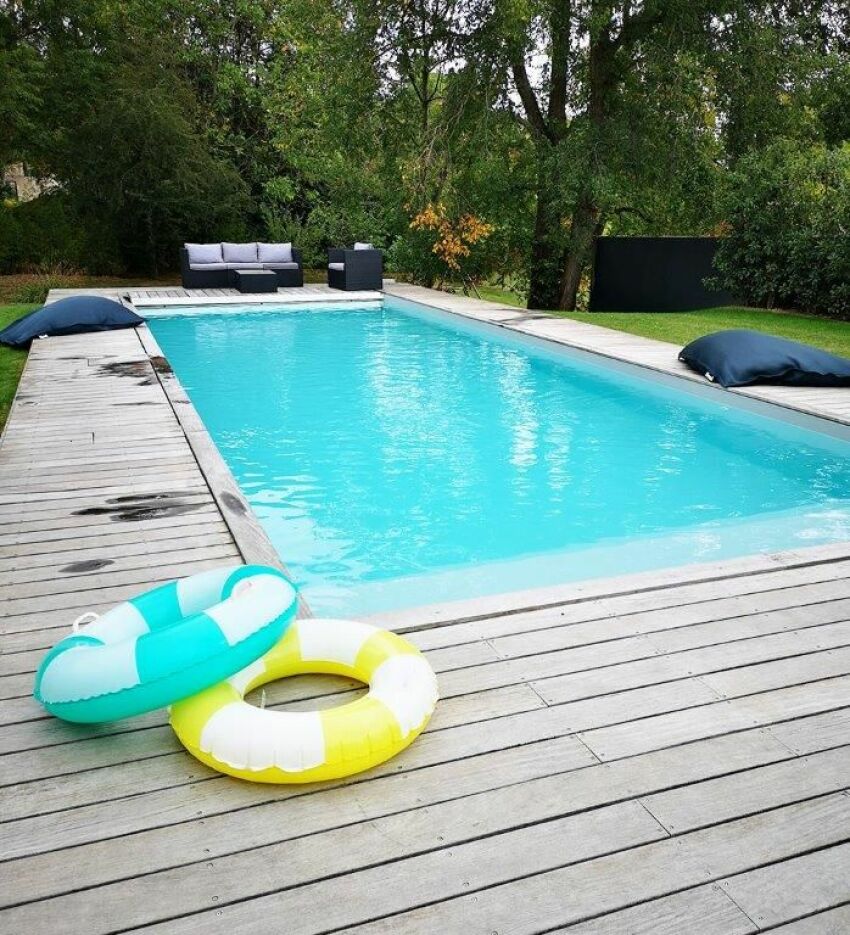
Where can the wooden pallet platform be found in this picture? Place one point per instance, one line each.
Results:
(662, 753)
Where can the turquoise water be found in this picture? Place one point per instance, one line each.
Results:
(397, 459)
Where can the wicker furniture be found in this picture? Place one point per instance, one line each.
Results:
(359, 269)
(255, 280)
(211, 266)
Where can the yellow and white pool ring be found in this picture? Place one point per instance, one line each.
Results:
(222, 730)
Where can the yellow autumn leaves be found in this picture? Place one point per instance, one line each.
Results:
(453, 237)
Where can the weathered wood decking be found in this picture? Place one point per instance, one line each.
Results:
(666, 753)
(164, 296)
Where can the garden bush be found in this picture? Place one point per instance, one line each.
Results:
(42, 233)
(787, 242)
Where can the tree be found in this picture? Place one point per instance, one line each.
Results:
(581, 75)
(788, 215)
(118, 128)
(595, 55)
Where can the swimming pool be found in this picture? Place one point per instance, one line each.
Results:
(400, 456)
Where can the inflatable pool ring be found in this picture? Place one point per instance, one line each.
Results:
(225, 732)
(166, 644)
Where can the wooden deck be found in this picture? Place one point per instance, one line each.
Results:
(168, 296)
(665, 753)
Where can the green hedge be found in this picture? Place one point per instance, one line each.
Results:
(788, 244)
(40, 234)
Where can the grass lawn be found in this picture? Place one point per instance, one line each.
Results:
(681, 327)
(11, 362)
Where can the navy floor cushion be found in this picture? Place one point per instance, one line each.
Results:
(741, 357)
(74, 315)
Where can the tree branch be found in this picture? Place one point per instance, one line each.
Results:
(636, 26)
(529, 100)
(560, 23)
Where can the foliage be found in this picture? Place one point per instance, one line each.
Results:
(788, 242)
(453, 239)
(329, 121)
(43, 232)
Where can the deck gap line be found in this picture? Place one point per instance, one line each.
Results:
(805, 915)
(663, 607)
(505, 882)
(414, 769)
(649, 633)
(604, 694)
(590, 620)
(137, 556)
(527, 683)
(627, 592)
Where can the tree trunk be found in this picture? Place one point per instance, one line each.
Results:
(546, 256)
(586, 228)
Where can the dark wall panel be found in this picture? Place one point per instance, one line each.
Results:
(654, 274)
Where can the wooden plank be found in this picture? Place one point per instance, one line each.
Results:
(781, 892)
(106, 530)
(566, 634)
(48, 748)
(832, 922)
(163, 848)
(40, 596)
(720, 718)
(548, 899)
(705, 910)
(553, 669)
(538, 599)
(699, 805)
(346, 896)
(38, 555)
(810, 734)
(707, 662)
(535, 799)
(68, 573)
(125, 817)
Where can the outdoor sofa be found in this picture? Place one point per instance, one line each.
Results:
(360, 268)
(211, 265)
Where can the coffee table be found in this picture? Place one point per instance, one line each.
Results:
(255, 280)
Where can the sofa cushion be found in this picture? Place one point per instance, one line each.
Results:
(239, 252)
(274, 252)
(280, 266)
(740, 357)
(202, 266)
(75, 315)
(253, 265)
(336, 266)
(203, 253)
(363, 246)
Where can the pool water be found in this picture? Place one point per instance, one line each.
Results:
(398, 457)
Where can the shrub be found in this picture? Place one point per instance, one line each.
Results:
(34, 288)
(39, 233)
(439, 247)
(787, 210)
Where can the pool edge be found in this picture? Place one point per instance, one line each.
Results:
(515, 321)
(248, 533)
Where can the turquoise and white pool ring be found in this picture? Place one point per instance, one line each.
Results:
(166, 644)
(225, 732)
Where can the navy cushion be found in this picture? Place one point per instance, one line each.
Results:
(741, 357)
(74, 315)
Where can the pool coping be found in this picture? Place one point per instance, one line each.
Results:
(248, 530)
(245, 527)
